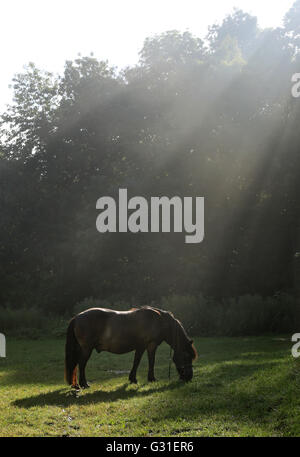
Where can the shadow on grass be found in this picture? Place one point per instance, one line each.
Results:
(219, 386)
(210, 383)
(42, 362)
(66, 397)
(230, 393)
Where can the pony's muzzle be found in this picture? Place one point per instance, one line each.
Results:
(188, 373)
(185, 373)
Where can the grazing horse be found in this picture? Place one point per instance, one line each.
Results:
(119, 332)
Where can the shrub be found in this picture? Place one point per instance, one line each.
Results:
(244, 315)
(186, 308)
(26, 322)
(241, 316)
(13, 319)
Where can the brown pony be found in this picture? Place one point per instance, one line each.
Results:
(120, 332)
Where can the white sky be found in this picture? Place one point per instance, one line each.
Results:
(50, 32)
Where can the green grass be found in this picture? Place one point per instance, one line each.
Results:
(241, 387)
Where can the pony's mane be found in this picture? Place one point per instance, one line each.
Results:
(176, 322)
(195, 356)
(186, 337)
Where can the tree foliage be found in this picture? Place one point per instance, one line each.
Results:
(213, 119)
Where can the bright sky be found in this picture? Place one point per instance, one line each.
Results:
(48, 32)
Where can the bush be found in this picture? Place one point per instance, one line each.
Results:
(186, 308)
(253, 314)
(14, 319)
(26, 322)
(241, 316)
(244, 315)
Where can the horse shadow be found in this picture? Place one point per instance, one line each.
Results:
(65, 397)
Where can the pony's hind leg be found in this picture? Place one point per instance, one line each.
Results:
(74, 384)
(84, 356)
(137, 358)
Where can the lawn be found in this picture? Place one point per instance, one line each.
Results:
(241, 387)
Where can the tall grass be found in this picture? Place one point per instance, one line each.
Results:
(244, 315)
(202, 316)
(29, 322)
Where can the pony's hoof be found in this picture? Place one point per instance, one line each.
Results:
(85, 386)
(133, 381)
(75, 386)
(152, 379)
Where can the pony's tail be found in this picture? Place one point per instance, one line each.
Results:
(71, 356)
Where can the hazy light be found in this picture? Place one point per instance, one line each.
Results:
(49, 32)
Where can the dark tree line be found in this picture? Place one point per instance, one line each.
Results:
(212, 118)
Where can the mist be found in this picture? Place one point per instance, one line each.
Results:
(213, 118)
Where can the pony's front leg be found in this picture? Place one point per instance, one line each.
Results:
(137, 358)
(151, 350)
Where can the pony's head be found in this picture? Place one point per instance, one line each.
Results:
(184, 350)
(184, 353)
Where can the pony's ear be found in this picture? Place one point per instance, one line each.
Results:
(191, 341)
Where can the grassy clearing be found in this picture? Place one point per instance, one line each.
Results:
(241, 387)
